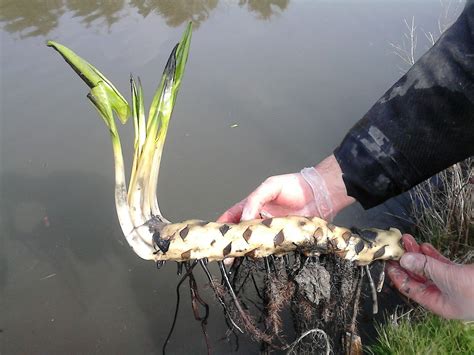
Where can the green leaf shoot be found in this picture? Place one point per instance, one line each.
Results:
(92, 77)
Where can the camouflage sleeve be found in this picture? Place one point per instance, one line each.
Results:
(420, 126)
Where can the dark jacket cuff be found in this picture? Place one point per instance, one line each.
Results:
(372, 167)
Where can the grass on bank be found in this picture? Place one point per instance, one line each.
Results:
(424, 333)
(443, 211)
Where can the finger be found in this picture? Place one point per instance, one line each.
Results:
(410, 243)
(439, 292)
(266, 192)
(274, 210)
(228, 261)
(426, 294)
(441, 273)
(415, 262)
(233, 214)
(429, 250)
(412, 275)
(401, 278)
(265, 214)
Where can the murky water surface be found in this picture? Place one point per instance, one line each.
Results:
(271, 86)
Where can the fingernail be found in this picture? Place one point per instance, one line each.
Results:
(264, 214)
(410, 261)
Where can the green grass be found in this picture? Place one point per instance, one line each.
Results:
(428, 334)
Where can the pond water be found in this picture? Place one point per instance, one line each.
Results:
(270, 87)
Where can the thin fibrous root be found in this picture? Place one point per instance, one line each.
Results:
(195, 301)
(355, 312)
(381, 278)
(246, 319)
(219, 298)
(373, 290)
(189, 270)
(305, 334)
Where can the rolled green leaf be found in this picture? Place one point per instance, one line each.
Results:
(139, 123)
(142, 189)
(100, 98)
(182, 57)
(92, 77)
(180, 53)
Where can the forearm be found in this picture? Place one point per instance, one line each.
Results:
(422, 125)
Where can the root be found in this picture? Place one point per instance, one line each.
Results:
(219, 293)
(323, 302)
(355, 311)
(246, 319)
(322, 333)
(196, 300)
(373, 290)
(381, 278)
(178, 298)
(323, 293)
(278, 295)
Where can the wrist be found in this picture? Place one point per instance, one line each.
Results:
(331, 173)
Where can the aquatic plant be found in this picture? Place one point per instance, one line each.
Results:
(152, 237)
(194, 242)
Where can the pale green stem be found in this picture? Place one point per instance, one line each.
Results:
(141, 243)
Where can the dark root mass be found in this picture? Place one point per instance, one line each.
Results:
(313, 299)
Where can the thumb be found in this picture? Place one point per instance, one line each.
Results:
(425, 266)
(266, 192)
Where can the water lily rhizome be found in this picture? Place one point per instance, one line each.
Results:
(280, 257)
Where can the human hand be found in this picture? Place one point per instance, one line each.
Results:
(318, 192)
(435, 282)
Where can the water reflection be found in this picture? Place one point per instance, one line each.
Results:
(99, 10)
(176, 12)
(265, 8)
(31, 18)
